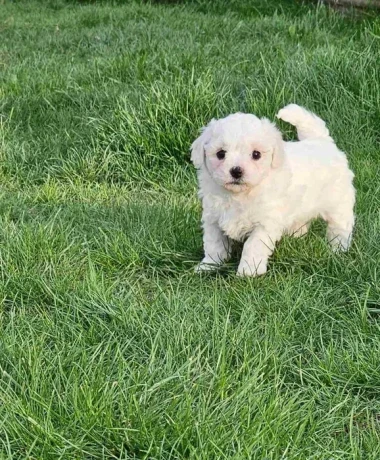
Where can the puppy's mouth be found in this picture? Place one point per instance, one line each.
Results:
(236, 186)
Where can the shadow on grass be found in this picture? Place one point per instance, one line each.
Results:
(245, 8)
(241, 7)
(143, 237)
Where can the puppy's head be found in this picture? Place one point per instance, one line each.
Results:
(238, 151)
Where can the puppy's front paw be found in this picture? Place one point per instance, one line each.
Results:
(205, 267)
(246, 269)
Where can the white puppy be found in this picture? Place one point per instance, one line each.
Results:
(255, 187)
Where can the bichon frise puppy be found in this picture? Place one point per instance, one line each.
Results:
(255, 187)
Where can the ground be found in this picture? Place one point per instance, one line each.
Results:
(111, 346)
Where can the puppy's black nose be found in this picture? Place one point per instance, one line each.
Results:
(236, 172)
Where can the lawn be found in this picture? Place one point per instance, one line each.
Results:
(111, 347)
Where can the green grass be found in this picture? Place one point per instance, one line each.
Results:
(110, 345)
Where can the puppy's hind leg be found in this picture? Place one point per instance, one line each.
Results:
(340, 225)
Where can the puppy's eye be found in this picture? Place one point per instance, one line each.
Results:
(256, 155)
(221, 154)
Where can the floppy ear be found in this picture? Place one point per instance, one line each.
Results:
(278, 151)
(198, 146)
(277, 143)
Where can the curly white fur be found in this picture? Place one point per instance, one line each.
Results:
(279, 193)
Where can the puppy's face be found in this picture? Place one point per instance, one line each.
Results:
(238, 151)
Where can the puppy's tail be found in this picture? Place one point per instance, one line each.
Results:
(308, 125)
